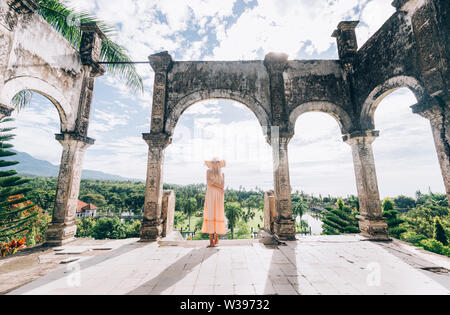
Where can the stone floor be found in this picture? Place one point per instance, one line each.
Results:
(311, 265)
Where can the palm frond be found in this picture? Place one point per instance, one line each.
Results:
(22, 99)
(67, 21)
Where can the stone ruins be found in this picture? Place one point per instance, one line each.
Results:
(411, 49)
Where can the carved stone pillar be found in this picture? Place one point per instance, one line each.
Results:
(63, 226)
(371, 221)
(90, 47)
(269, 210)
(440, 126)
(283, 224)
(275, 65)
(161, 64)
(152, 222)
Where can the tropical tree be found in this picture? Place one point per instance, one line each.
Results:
(67, 21)
(439, 232)
(233, 212)
(190, 207)
(393, 221)
(299, 207)
(340, 220)
(17, 213)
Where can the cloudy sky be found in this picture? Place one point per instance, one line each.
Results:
(320, 162)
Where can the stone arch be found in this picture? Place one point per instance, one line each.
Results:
(17, 84)
(367, 118)
(338, 113)
(178, 108)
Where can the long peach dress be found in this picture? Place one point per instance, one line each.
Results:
(213, 212)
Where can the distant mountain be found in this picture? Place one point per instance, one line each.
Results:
(30, 166)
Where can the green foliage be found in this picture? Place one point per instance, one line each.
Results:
(299, 207)
(404, 202)
(96, 199)
(393, 221)
(388, 204)
(435, 246)
(189, 207)
(17, 214)
(233, 212)
(340, 220)
(412, 237)
(107, 228)
(303, 227)
(439, 232)
(420, 220)
(243, 230)
(85, 227)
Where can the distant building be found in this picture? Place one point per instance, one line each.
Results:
(86, 210)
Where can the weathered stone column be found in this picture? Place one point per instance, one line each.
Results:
(283, 225)
(63, 227)
(371, 221)
(440, 126)
(152, 222)
(157, 141)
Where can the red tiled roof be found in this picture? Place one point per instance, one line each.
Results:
(82, 206)
(89, 207)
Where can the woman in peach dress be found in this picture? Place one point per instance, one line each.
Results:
(213, 212)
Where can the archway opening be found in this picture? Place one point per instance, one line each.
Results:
(39, 155)
(230, 131)
(405, 154)
(321, 171)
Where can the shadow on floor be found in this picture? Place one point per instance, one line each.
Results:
(175, 272)
(62, 272)
(283, 265)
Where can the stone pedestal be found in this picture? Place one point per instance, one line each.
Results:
(152, 229)
(371, 221)
(63, 226)
(168, 212)
(270, 211)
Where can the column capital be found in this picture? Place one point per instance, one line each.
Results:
(361, 135)
(284, 137)
(72, 136)
(346, 40)
(276, 62)
(158, 140)
(161, 62)
(24, 6)
(90, 48)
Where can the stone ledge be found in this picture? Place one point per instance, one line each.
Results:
(74, 136)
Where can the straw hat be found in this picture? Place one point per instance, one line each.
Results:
(210, 164)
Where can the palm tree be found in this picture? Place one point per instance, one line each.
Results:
(189, 208)
(233, 212)
(66, 21)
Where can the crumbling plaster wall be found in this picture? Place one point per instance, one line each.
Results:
(35, 56)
